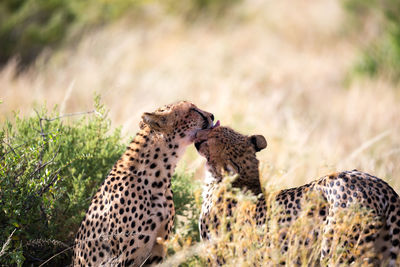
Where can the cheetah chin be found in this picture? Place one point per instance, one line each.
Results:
(200, 136)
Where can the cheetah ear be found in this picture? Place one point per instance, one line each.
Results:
(258, 141)
(155, 121)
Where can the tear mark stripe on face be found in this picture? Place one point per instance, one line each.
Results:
(205, 124)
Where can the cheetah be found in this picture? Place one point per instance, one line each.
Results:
(228, 151)
(132, 212)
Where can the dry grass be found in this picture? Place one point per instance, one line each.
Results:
(245, 244)
(277, 68)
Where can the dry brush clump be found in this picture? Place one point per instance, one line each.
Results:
(239, 241)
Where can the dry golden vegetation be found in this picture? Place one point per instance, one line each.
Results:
(277, 68)
(237, 241)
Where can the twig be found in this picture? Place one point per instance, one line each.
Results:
(43, 190)
(67, 95)
(44, 216)
(11, 148)
(3, 249)
(42, 135)
(366, 145)
(72, 114)
(55, 255)
(41, 166)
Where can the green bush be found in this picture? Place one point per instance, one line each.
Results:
(382, 55)
(50, 168)
(29, 26)
(26, 27)
(49, 171)
(193, 9)
(187, 206)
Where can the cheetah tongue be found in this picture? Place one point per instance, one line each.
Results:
(215, 125)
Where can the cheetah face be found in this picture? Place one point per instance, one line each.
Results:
(229, 151)
(182, 119)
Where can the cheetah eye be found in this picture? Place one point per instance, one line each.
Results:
(229, 169)
(196, 111)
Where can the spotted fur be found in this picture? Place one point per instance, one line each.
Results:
(227, 150)
(132, 212)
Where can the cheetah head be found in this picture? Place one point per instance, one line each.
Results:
(230, 152)
(181, 120)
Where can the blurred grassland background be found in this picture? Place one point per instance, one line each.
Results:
(287, 70)
(319, 79)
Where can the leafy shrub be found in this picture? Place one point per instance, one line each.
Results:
(187, 206)
(382, 55)
(50, 168)
(49, 171)
(29, 26)
(187, 203)
(200, 8)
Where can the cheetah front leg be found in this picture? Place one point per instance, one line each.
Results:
(328, 235)
(158, 251)
(333, 239)
(157, 255)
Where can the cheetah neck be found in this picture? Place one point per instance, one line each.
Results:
(250, 184)
(151, 156)
(210, 182)
(212, 178)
